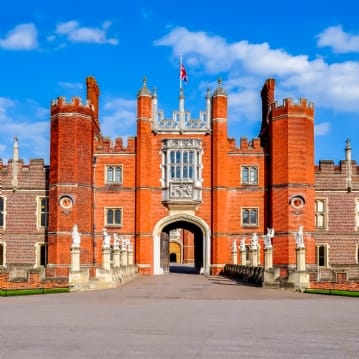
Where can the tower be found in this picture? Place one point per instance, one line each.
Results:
(73, 128)
(220, 243)
(291, 180)
(144, 245)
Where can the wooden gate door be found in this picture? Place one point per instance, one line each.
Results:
(165, 252)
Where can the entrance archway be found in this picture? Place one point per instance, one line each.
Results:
(201, 242)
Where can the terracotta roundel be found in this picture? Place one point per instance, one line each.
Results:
(297, 202)
(66, 202)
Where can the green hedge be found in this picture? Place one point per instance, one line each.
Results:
(12, 292)
(347, 293)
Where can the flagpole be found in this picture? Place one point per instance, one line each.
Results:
(180, 73)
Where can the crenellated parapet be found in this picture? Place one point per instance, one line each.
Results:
(245, 145)
(108, 146)
(75, 106)
(303, 107)
(31, 175)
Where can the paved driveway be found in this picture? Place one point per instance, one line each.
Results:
(179, 316)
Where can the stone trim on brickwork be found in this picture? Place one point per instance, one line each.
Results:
(183, 217)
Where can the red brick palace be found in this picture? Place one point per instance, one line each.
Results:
(181, 190)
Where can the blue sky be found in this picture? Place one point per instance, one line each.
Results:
(47, 49)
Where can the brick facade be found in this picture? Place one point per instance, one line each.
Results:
(181, 173)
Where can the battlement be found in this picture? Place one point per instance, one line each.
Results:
(245, 145)
(106, 145)
(76, 105)
(326, 167)
(288, 105)
(31, 175)
(34, 165)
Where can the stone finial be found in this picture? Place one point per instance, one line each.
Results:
(220, 90)
(144, 91)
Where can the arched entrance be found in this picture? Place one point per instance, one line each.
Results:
(199, 232)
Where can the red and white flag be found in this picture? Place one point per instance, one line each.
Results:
(183, 74)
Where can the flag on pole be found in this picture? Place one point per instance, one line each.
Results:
(183, 74)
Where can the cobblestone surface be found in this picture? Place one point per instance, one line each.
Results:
(179, 316)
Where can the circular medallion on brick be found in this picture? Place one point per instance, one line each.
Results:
(297, 202)
(66, 202)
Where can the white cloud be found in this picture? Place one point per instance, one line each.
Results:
(22, 37)
(5, 104)
(75, 33)
(322, 129)
(119, 114)
(15, 122)
(329, 85)
(338, 40)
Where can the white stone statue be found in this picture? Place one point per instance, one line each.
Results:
(124, 243)
(234, 246)
(242, 245)
(254, 241)
(76, 237)
(268, 238)
(116, 242)
(106, 239)
(299, 238)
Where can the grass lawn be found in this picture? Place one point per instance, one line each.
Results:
(346, 293)
(12, 292)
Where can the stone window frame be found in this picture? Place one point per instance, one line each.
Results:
(3, 212)
(249, 180)
(357, 253)
(250, 209)
(323, 213)
(181, 146)
(40, 257)
(114, 223)
(40, 214)
(325, 247)
(114, 177)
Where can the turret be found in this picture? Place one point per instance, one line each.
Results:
(291, 130)
(219, 177)
(144, 245)
(73, 127)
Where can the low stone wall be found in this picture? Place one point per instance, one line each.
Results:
(21, 277)
(336, 277)
(245, 274)
(353, 286)
(103, 279)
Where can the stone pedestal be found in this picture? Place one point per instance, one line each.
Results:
(253, 257)
(130, 257)
(75, 259)
(123, 258)
(268, 259)
(106, 259)
(116, 258)
(301, 259)
(243, 258)
(300, 278)
(234, 257)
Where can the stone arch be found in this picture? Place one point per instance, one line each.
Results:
(194, 220)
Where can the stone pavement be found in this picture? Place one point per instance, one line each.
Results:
(179, 316)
